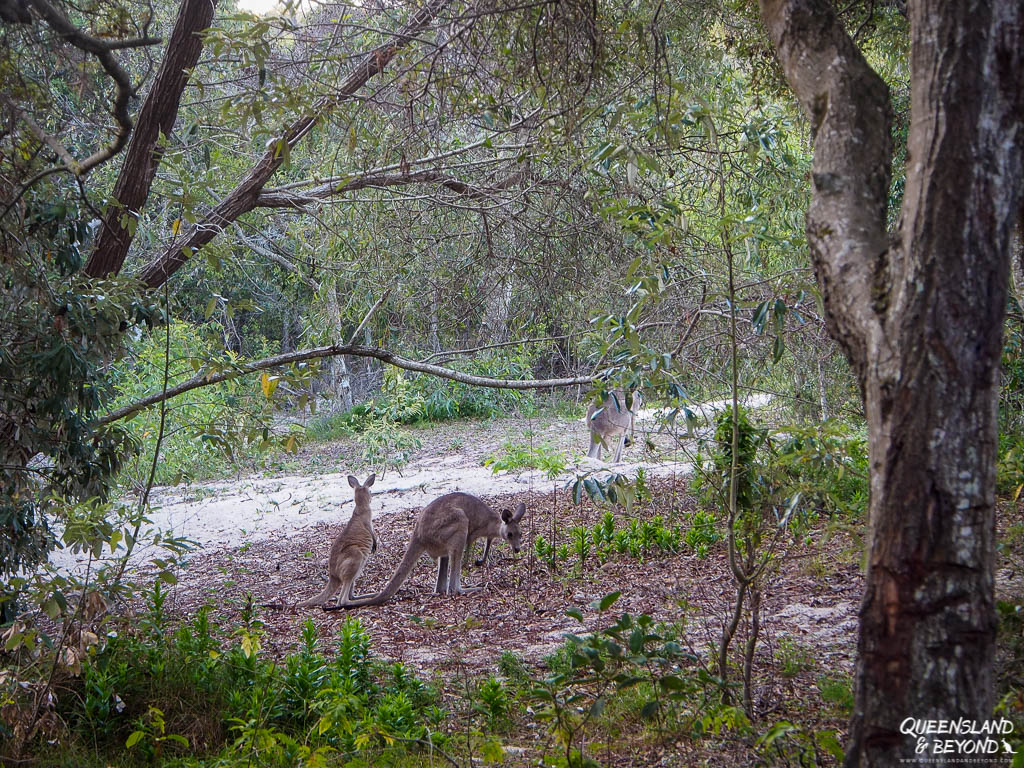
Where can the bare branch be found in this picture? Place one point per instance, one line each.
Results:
(243, 198)
(102, 50)
(367, 316)
(297, 200)
(356, 350)
(51, 141)
(517, 342)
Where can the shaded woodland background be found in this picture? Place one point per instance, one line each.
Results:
(230, 240)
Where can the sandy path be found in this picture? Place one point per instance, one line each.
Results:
(232, 513)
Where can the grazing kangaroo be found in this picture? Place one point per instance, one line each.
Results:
(350, 550)
(612, 419)
(445, 530)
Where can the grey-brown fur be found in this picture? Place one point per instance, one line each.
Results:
(445, 530)
(611, 422)
(350, 550)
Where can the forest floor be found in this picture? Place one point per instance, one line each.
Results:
(267, 536)
(809, 605)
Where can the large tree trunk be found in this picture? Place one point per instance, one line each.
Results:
(920, 318)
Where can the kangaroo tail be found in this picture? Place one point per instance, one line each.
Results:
(333, 583)
(412, 555)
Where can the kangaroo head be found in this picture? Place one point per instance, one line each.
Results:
(362, 491)
(510, 526)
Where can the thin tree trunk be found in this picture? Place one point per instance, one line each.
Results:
(822, 395)
(341, 381)
(1017, 259)
(750, 648)
(435, 339)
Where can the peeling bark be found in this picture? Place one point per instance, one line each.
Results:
(919, 313)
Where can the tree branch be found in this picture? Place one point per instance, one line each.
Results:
(243, 198)
(157, 118)
(367, 316)
(102, 50)
(51, 141)
(332, 350)
(298, 199)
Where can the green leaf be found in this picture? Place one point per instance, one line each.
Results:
(672, 683)
(575, 614)
(607, 601)
(492, 751)
(134, 738)
(778, 348)
(760, 316)
(650, 710)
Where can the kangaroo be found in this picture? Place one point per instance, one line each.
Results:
(613, 419)
(350, 550)
(447, 527)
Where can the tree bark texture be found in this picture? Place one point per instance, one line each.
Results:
(157, 117)
(243, 198)
(919, 313)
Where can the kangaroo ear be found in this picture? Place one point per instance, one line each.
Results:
(369, 480)
(520, 511)
(506, 516)
(353, 481)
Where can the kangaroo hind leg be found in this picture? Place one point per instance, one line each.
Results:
(455, 555)
(441, 587)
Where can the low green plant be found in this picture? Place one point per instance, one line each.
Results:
(603, 534)
(214, 694)
(643, 492)
(492, 700)
(581, 545)
(632, 663)
(512, 667)
(387, 445)
(514, 456)
(837, 692)
(794, 658)
(703, 532)
(400, 401)
(341, 423)
(546, 553)
(789, 744)
(642, 538)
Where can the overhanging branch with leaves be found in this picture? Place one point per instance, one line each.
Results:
(333, 350)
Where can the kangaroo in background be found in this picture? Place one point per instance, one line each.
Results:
(350, 550)
(445, 530)
(612, 420)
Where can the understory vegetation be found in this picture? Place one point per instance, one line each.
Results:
(328, 238)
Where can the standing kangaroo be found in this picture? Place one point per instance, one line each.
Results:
(447, 527)
(350, 550)
(612, 420)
